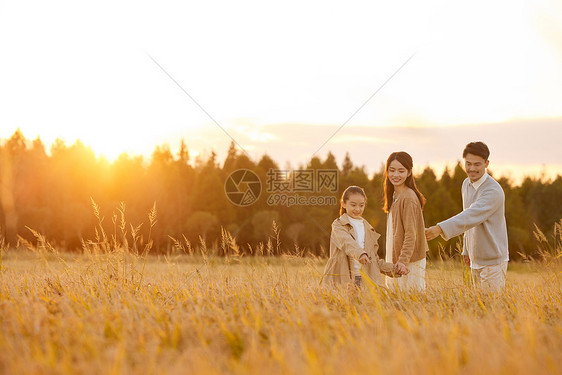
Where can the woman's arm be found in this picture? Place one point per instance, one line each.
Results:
(410, 213)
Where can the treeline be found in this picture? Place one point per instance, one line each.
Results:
(52, 194)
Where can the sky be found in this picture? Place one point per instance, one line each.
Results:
(291, 79)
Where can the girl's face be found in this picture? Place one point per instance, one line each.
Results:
(397, 173)
(354, 205)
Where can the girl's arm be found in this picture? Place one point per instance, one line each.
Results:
(385, 267)
(343, 240)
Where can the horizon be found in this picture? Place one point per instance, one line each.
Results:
(544, 173)
(376, 76)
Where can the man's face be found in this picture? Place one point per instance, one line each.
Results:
(475, 166)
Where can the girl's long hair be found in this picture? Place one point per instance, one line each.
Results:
(406, 160)
(347, 193)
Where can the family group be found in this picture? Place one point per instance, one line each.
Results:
(354, 242)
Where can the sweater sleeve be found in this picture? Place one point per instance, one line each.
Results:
(478, 212)
(409, 215)
(344, 241)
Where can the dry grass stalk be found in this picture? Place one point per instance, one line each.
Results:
(201, 314)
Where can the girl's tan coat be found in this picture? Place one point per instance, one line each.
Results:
(344, 247)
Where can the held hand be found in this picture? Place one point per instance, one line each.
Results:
(466, 260)
(401, 269)
(431, 233)
(364, 259)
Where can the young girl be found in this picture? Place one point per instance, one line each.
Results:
(353, 244)
(405, 230)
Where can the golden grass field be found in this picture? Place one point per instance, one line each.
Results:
(118, 313)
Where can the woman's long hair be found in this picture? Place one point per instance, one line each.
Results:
(406, 160)
(347, 193)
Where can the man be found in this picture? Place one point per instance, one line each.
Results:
(482, 221)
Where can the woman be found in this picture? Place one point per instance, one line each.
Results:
(405, 230)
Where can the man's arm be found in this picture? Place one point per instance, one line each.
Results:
(433, 232)
(478, 212)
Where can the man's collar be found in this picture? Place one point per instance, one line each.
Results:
(480, 181)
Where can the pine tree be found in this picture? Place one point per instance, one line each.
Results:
(347, 165)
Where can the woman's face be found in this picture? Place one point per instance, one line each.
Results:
(354, 206)
(397, 173)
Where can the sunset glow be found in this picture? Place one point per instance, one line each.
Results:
(157, 74)
(289, 187)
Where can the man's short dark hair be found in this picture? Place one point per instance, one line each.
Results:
(478, 149)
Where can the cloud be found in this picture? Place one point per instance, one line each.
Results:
(533, 142)
(348, 138)
(517, 146)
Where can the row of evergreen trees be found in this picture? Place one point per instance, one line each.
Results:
(52, 194)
